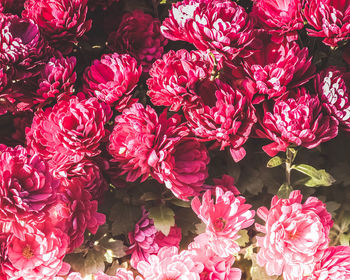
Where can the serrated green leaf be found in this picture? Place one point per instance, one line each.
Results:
(116, 247)
(94, 262)
(274, 162)
(181, 203)
(124, 218)
(344, 239)
(163, 217)
(244, 238)
(317, 178)
(284, 191)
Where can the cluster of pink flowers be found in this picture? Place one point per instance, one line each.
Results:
(81, 121)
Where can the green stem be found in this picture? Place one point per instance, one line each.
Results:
(289, 161)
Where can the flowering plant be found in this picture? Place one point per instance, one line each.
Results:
(174, 140)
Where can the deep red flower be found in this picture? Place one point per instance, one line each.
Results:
(141, 140)
(217, 25)
(299, 121)
(329, 20)
(112, 79)
(61, 22)
(139, 35)
(11, 6)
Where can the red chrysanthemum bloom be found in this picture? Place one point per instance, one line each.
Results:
(112, 79)
(61, 22)
(226, 183)
(330, 20)
(37, 256)
(185, 169)
(223, 114)
(11, 6)
(57, 78)
(296, 236)
(218, 25)
(73, 128)
(174, 78)
(22, 47)
(27, 188)
(3, 79)
(223, 218)
(299, 121)
(333, 88)
(141, 140)
(334, 265)
(279, 17)
(277, 68)
(139, 35)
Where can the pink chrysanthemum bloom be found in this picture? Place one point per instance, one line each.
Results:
(112, 78)
(223, 218)
(174, 78)
(218, 25)
(215, 267)
(37, 256)
(170, 264)
(334, 265)
(61, 22)
(333, 88)
(280, 18)
(277, 68)
(222, 114)
(141, 140)
(329, 20)
(73, 128)
(139, 35)
(296, 236)
(22, 47)
(299, 121)
(56, 79)
(27, 188)
(122, 274)
(226, 183)
(185, 169)
(145, 240)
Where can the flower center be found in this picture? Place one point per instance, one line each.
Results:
(27, 252)
(219, 224)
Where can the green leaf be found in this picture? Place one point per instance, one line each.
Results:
(124, 218)
(186, 219)
(274, 162)
(163, 217)
(116, 247)
(317, 178)
(149, 196)
(284, 191)
(344, 239)
(180, 203)
(243, 239)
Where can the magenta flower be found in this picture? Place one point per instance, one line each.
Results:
(169, 264)
(217, 25)
(334, 265)
(333, 88)
(296, 236)
(73, 128)
(299, 121)
(61, 22)
(27, 188)
(277, 68)
(223, 218)
(112, 79)
(279, 18)
(185, 169)
(139, 35)
(141, 140)
(329, 20)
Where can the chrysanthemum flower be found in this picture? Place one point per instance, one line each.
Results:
(334, 265)
(170, 264)
(333, 88)
(73, 128)
(296, 236)
(11, 6)
(329, 20)
(27, 188)
(122, 274)
(139, 35)
(141, 140)
(61, 22)
(223, 218)
(299, 121)
(280, 18)
(112, 78)
(217, 25)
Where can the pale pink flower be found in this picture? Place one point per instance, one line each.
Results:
(122, 274)
(296, 236)
(170, 264)
(223, 218)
